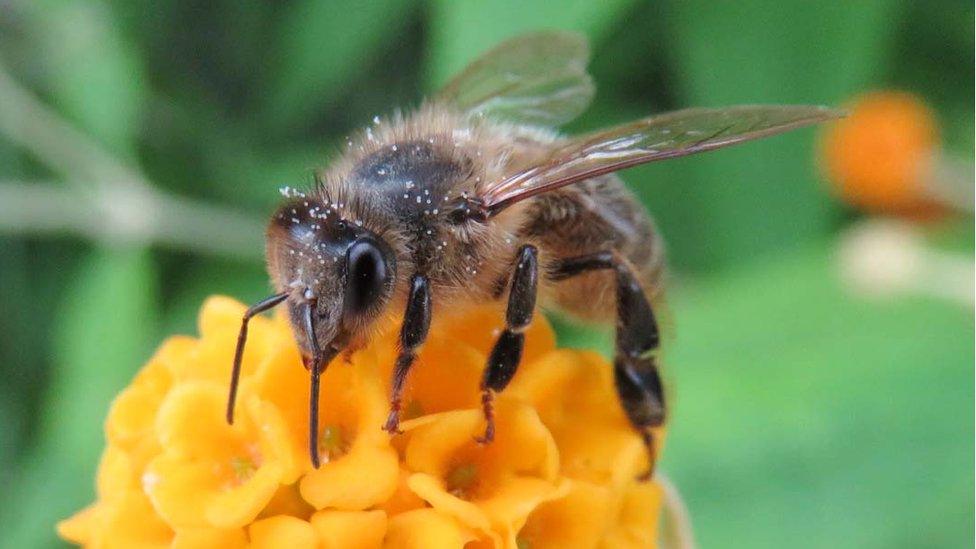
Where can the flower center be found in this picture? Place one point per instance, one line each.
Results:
(462, 480)
(413, 409)
(243, 468)
(332, 443)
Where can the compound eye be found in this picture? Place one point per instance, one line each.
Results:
(367, 277)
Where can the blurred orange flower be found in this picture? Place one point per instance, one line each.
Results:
(881, 155)
(561, 472)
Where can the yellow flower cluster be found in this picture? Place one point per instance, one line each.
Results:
(560, 473)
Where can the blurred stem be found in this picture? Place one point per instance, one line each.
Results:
(676, 532)
(55, 142)
(110, 201)
(951, 182)
(128, 214)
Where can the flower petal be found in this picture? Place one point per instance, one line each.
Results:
(481, 326)
(205, 538)
(128, 521)
(214, 474)
(130, 424)
(241, 505)
(522, 444)
(283, 531)
(131, 417)
(426, 529)
(287, 500)
(595, 440)
(350, 529)
(364, 477)
(403, 499)
(116, 474)
(434, 491)
(636, 521)
(81, 527)
(446, 376)
(191, 422)
(219, 323)
(179, 499)
(132, 522)
(579, 518)
(513, 501)
(362, 470)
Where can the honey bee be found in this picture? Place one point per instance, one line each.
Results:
(474, 197)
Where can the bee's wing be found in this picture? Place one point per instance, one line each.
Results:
(668, 135)
(538, 79)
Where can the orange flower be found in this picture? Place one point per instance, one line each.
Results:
(490, 490)
(283, 531)
(211, 473)
(560, 473)
(880, 156)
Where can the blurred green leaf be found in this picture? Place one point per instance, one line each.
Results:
(102, 328)
(460, 31)
(102, 335)
(256, 179)
(13, 347)
(761, 51)
(932, 43)
(32, 278)
(15, 335)
(94, 76)
(245, 282)
(764, 196)
(804, 416)
(323, 46)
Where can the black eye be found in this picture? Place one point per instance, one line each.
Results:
(367, 275)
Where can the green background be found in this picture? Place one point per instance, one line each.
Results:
(804, 415)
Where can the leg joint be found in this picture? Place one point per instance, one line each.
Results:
(573, 266)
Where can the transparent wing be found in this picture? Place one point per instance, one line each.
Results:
(537, 79)
(669, 135)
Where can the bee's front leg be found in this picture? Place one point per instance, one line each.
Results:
(507, 352)
(413, 333)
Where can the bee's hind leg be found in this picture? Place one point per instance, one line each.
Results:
(507, 352)
(635, 369)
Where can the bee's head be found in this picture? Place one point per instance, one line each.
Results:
(338, 274)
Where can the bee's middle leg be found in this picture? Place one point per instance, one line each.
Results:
(507, 352)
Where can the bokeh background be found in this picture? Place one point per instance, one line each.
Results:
(143, 142)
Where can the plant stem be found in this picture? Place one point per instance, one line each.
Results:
(109, 200)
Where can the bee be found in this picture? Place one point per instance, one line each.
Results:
(474, 197)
